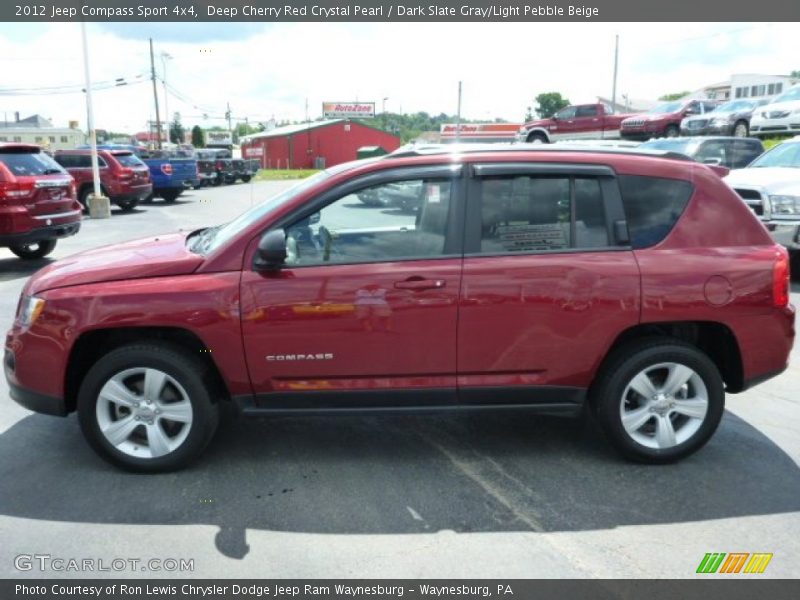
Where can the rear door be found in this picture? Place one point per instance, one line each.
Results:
(545, 288)
(365, 310)
(587, 123)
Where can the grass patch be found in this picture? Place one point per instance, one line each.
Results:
(279, 174)
(771, 142)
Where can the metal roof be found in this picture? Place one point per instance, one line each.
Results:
(289, 129)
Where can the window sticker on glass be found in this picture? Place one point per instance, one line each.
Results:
(530, 237)
(434, 193)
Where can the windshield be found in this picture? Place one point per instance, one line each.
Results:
(783, 155)
(212, 238)
(669, 107)
(736, 106)
(792, 94)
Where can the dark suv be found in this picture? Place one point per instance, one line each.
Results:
(730, 152)
(37, 201)
(529, 278)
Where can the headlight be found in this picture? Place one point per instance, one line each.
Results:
(30, 307)
(785, 205)
(522, 130)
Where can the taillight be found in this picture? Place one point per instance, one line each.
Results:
(126, 174)
(72, 189)
(166, 168)
(780, 279)
(16, 191)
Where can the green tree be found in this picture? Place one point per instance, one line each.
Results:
(176, 130)
(795, 74)
(549, 103)
(675, 96)
(198, 139)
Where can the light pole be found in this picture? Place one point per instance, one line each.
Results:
(97, 209)
(383, 110)
(165, 56)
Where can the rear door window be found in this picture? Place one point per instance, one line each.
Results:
(652, 206)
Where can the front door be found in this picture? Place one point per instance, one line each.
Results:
(365, 310)
(545, 287)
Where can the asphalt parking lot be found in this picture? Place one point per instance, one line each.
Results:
(465, 496)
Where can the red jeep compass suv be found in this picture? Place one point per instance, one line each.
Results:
(37, 201)
(637, 285)
(124, 178)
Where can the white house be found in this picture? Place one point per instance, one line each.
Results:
(38, 130)
(745, 85)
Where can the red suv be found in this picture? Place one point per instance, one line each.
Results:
(124, 178)
(637, 285)
(37, 201)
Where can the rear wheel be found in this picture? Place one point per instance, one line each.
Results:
(128, 205)
(33, 250)
(659, 400)
(147, 408)
(171, 195)
(83, 197)
(246, 178)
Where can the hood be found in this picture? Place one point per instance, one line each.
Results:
(789, 105)
(773, 179)
(148, 257)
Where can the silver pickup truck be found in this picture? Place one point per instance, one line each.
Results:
(770, 185)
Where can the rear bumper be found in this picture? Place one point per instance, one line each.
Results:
(40, 234)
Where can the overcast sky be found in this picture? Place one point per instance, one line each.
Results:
(267, 70)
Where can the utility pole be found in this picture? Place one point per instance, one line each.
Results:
(164, 58)
(155, 93)
(614, 88)
(228, 116)
(458, 116)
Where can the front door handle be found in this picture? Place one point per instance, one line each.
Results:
(417, 283)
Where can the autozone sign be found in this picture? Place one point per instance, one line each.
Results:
(348, 110)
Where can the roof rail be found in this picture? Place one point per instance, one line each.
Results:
(439, 149)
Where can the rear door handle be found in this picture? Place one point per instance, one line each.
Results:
(414, 283)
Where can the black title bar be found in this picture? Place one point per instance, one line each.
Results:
(231, 11)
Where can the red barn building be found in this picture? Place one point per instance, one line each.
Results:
(300, 146)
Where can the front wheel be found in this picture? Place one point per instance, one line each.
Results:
(246, 178)
(537, 138)
(671, 131)
(147, 408)
(33, 250)
(740, 129)
(659, 400)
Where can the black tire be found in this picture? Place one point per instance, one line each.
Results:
(741, 129)
(191, 373)
(217, 181)
(83, 197)
(672, 131)
(148, 199)
(246, 178)
(33, 250)
(171, 195)
(537, 138)
(623, 365)
(794, 264)
(128, 205)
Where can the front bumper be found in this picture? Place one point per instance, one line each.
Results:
(726, 129)
(637, 134)
(28, 398)
(785, 126)
(785, 234)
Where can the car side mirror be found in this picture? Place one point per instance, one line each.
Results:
(271, 252)
(555, 117)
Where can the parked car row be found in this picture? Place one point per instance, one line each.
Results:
(217, 167)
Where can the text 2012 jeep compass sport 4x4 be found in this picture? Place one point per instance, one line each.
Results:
(637, 285)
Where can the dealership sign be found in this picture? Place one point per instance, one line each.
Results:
(348, 110)
(219, 138)
(478, 132)
(254, 151)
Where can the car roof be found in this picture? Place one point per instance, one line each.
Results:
(423, 150)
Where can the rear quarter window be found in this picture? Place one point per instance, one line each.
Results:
(129, 160)
(652, 206)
